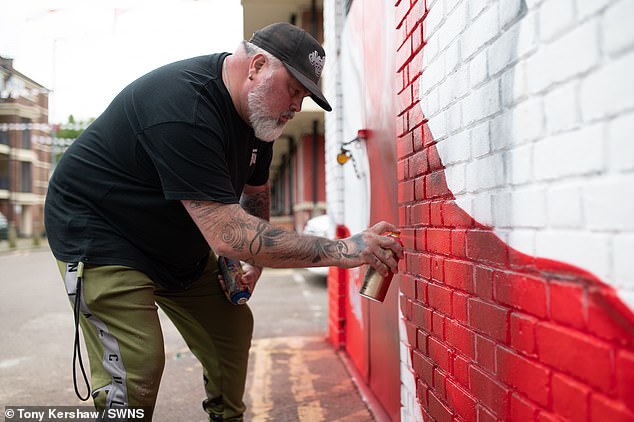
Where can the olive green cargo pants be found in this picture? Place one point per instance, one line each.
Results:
(124, 340)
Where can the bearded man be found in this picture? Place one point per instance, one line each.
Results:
(172, 175)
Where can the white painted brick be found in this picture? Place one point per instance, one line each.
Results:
(478, 70)
(564, 206)
(456, 178)
(599, 207)
(438, 125)
(514, 44)
(455, 149)
(608, 90)
(459, 83)
(501, 131)
(586, 8)
(433, 105)
(454, 118)
(452, 57)
(510, 11)
(590, 251)
(453, 26)
(573, 54)
(514, 84)
(433, 74)
(623, 262)
(434, 18)
(450, 4)
(573, 153)
(521, 207)
(561, 108)
(528, 121)
(621, 143)
(555, 17)
(431, 47)
(485, 173)
(482, 103)
(532, 4)
(618, 33)
(480, 140)
(522, 239)
(520, 165)
(481, 208)
(476, 7)
(480, 32)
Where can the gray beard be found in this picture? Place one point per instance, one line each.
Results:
(266, 128)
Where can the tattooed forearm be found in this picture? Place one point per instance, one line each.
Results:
(257, 202)
(230, 230)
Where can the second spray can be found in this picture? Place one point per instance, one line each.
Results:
(231, 270)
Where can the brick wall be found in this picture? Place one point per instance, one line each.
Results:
(516, 179)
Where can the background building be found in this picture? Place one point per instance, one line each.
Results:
(24, 160)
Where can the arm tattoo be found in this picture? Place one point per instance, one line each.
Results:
(257, 203)
(262, 243)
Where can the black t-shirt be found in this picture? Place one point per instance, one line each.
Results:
(171, 135)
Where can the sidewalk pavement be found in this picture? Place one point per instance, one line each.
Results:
(294, 373)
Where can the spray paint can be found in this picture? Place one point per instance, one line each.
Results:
(375, 285)
(231, 270)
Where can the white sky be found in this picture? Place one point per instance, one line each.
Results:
(86, 51)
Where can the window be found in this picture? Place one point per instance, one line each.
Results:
(26, 180)
(26, 134)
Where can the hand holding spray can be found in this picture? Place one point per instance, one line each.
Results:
(231, 270)
(374, 284)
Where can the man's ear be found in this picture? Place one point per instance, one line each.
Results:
(257, 62)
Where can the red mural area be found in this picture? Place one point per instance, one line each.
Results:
(495, 334)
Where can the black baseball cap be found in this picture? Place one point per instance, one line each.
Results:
(301, 54)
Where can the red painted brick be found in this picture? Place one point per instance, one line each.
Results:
(461, 400)
(420, 236)
(408, 237)
(422, 316)
(439, 298)
(489, 319)
(461, 369)
(420, 215)
(439, 410)
(422, 341)
(604, 409)
(570, 398)
(434, 160)
(485, 415)
(567, 304)
(406, 191)
(521, 292)
(436, 185)
(460, 307)
(437, 267)
(458, 243)
(527, 376)
(421, 393)
(406, 307)
(440, 379)
(419, 188)
(484, 245)
(419, 264)
(421, 291)
(436, 214)
(423, 367)
(483, 278)
(439, 241)
(459, 274)
(485, 353)
(454, 216)
(522, 409)
(606, 317)
(439, 353)
(625, 377)
(438, 325)
(580, 355)
(523, 333)
(407, 285)
(490, 392)
(404, 145)
(418, 164)
(460, 337)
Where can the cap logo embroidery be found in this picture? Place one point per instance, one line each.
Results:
(317, 61)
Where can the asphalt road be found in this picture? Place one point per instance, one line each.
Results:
(294, 374)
